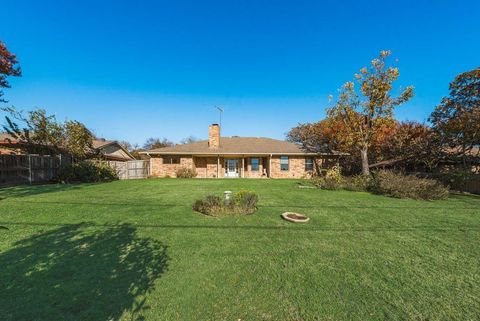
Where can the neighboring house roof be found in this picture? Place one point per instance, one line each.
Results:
(9, 145)
(99, 143)
(237, 145)
(388, 162)
(109, 149)
(112, 150)
(473, 153)
(7, 139)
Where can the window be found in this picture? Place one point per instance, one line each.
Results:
(254, 162)
(284, 163)
(309, 164)
(171, 160)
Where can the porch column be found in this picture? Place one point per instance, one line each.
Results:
(243, 167)
(270, 166)
(218, 166)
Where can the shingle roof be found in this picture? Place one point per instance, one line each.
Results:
(235, 145)
(99, 143)
(7, 139)
(4, 137)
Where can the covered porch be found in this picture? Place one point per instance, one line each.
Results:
(233, 166)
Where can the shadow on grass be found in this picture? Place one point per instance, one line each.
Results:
(29, 190)
(288, 226)
(157, 205)
(78, 272)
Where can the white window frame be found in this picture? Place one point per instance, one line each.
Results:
(311, 162)
(258, 164)
(284, 160)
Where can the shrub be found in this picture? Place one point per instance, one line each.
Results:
(406, 186)
(211, 205)
(357, 183)
(334, 174)
(86, 171)
(184, 172)
(244, 202)
(456, 178)
(327, 183)
(332, 180)
(384, 183)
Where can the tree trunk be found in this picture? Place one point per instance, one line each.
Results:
(365, 168)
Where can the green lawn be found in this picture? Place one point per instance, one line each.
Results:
(134, 250)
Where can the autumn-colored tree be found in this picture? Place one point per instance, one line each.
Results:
(320, 137)
(8, 67)
(412, 143)
(366, 110)
(152, 143)
(332, 134)
(324, 136)
(457, 118)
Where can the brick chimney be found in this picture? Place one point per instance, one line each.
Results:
(214, 136)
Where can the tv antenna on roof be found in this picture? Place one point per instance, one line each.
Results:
(220, 111)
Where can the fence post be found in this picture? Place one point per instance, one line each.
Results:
(30, 169)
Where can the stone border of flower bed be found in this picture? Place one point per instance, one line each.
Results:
(287, 217)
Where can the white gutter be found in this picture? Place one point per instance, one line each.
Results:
(253, 154)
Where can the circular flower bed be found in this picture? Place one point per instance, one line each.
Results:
(242, 202)
(295, 217)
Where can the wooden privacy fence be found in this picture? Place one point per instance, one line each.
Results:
(34, 169)
(134, 169)
(28, 169)
(473, 185)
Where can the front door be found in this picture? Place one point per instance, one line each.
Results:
(232, 168)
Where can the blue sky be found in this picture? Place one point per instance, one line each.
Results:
(137, 69)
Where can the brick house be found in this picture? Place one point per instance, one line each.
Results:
(249, 157)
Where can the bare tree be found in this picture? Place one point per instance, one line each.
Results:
(189, 140)
(152, 143)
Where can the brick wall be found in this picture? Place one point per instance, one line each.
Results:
(159, 169)
(296, 168)
(248, 170)
(206, 167)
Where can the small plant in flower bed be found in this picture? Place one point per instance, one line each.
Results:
(184, 172)
(243, 203)
(406, 186)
